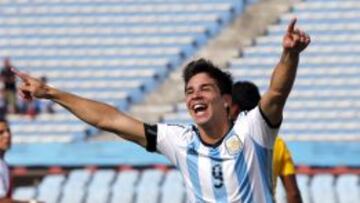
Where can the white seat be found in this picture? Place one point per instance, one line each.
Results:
(347, 188)
(24, 193)
(50, 188)
(323, 184)
(123, 189)
(304, 187)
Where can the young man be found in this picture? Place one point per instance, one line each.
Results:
(5, 177)
(5, 143)
(218, 163)
(246, 96)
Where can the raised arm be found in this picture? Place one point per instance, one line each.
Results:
(283, 77)
(95, 113)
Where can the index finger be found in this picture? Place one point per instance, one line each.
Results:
(291, 25)
(23, 76)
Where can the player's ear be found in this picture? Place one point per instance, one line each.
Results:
(227, 100)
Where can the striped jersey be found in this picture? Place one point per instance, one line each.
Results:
(237, 169)
(5, 187)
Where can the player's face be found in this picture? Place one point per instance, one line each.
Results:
(203, 99)
(5, 136)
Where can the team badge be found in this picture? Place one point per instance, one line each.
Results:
(233, 145)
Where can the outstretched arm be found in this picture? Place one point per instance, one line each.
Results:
(95, 113)
(283, 77)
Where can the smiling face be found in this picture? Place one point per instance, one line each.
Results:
(5, 136)
(204, 101)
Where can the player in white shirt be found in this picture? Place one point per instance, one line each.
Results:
(5, 143)
(219, 162)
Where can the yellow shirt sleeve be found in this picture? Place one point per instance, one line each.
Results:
(282, 162)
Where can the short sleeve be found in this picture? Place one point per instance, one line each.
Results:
(3, 185)
(170, 139)
(288, 167)
(260, 129)
(2, 191)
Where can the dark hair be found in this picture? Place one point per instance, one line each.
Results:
(223, 79)
(3, 119)
(246, 95)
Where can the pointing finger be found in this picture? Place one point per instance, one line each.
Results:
(23, 76)
(291, 25)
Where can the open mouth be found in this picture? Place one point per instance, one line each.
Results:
(199, 108)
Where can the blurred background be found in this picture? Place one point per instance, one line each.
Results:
(130, 53)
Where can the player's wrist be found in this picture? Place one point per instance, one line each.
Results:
(51, 92)
(289, 56)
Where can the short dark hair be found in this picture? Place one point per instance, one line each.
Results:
(223, 79)
(246, 95)
(3, 119)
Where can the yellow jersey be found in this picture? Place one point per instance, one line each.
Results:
(283, 164)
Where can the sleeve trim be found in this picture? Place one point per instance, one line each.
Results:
(151, 137)
(276, 126)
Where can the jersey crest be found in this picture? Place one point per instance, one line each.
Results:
(233, 144)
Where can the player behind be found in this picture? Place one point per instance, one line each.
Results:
(5, 176)
(218, 163)
(5, 143)
(246, 96)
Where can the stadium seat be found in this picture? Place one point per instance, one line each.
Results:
(304, 187)
(323, 184)
(148, 188)
(79, 45)
(75, 186)
(172, 189)
(99, 187)
(280, 193)
(24, 193)
(123, 190)
(50, 188)
(348, 188)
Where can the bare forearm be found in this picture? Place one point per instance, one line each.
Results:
(85, 109)
(292, 190)
(95, 113)
(282, 80)
(294, 198)
(284, 76)
(98, 114)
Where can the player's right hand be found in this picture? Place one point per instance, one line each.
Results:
(30, 86)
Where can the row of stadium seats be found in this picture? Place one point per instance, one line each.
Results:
(115, 52)
(148, 186)
(153, 185)
(327, 73)
(322, 105)
(325, 188)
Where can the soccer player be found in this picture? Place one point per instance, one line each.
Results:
(5, 177)
(5, 143)
(219, 163)
(246, 96)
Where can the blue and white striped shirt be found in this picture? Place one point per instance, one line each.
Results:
(238, 169)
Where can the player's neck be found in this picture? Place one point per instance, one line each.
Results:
(213, 133)
(2, 154)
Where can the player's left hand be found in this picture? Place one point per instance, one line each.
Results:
(295, 40)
